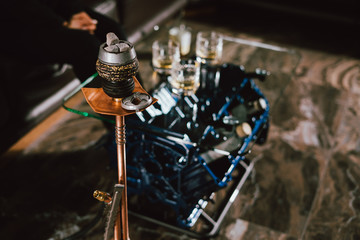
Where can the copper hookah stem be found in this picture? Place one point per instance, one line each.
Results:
(121, 231)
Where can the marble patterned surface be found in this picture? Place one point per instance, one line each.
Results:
(305, 182)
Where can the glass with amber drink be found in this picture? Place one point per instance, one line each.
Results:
(209, 47)
(164, 53)
(185, 77)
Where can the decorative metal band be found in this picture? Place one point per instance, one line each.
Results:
(120, 137)
(117, 72)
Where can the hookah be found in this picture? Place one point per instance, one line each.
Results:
(121, 94)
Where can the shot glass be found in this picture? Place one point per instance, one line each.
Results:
(209, 47)
(164, 53)
(182, 35)
(185, 77)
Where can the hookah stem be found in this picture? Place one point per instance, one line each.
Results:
(121, 227)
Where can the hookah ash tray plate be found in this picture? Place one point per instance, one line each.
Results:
(137, 101)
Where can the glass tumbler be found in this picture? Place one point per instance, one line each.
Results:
(185, 77)
(164, 53)
(209, 47)
(182, 35)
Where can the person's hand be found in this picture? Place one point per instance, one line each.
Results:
(82, 21)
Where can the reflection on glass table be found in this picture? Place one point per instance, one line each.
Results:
(179, 162)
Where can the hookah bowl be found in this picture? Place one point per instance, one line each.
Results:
(117, 64)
